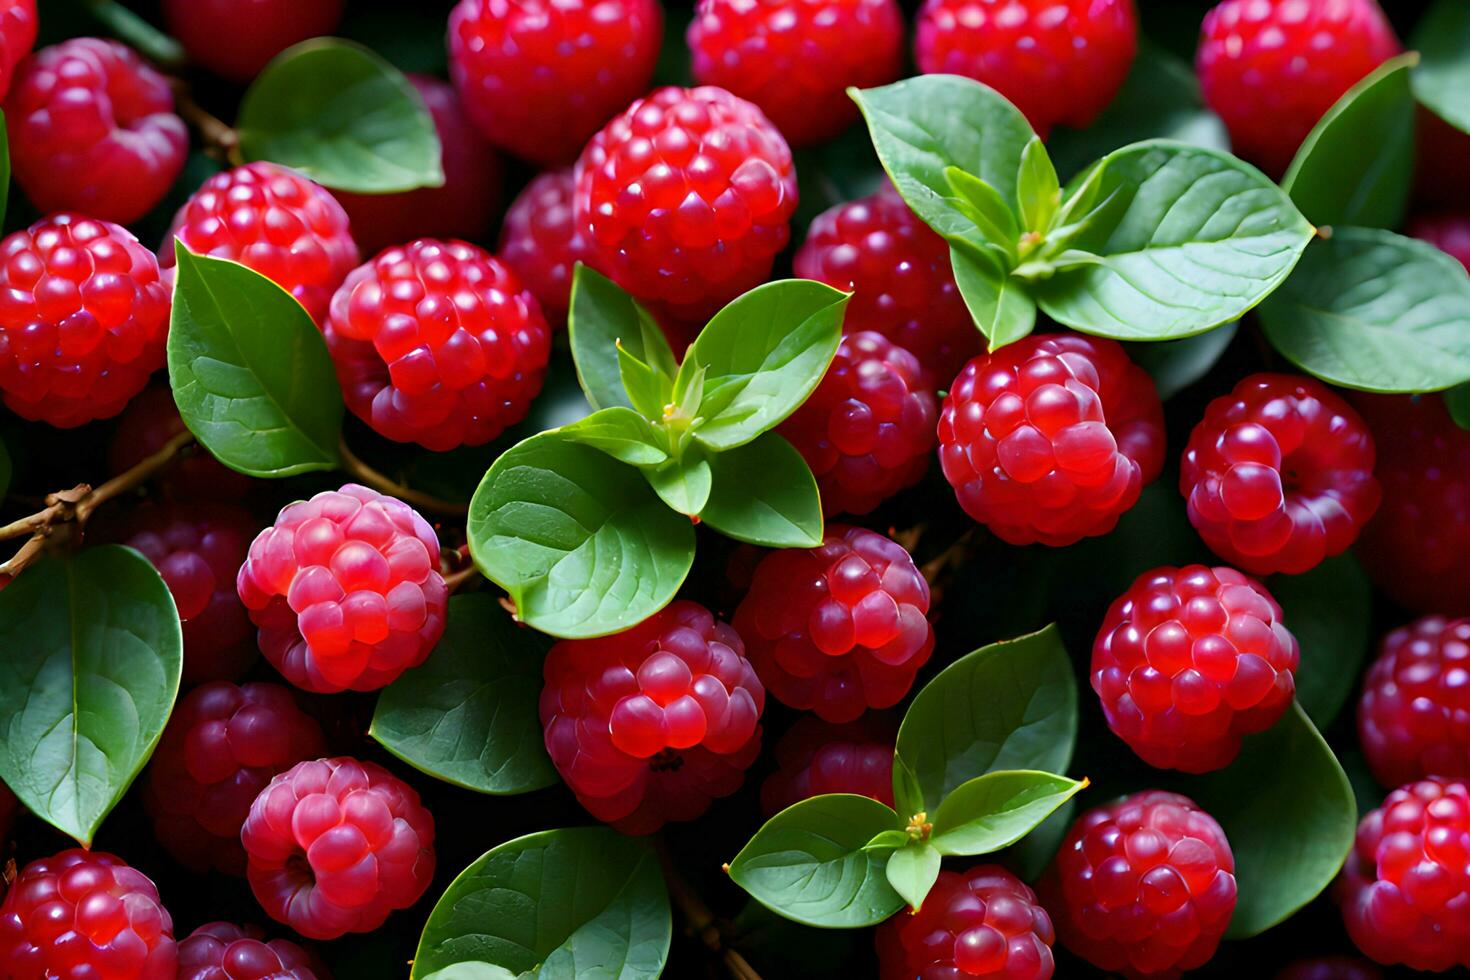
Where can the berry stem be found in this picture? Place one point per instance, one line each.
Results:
(454, 580)
(155, 44)
(383, 483)
(215, 132)
(699, 921)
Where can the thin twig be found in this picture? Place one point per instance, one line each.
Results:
(938, 570)
(699, 921)
(161, 49)
(215, 132)
(139, 473)
(454, 580)
(383, 483)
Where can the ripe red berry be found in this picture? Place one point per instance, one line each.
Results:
(1403, 892)
(541, 76)
(983, 923)
(85, 914)
(92, 129)
(1331, 968)
(814, 757)
(437, 343)
(654, 723)
(224, 951)
(335, 845)
(796, 58)
(236, 38)
(839, 628)
(17, 36)
(1278, 475)
(1271, 68)
(687, 197)
(346, 590)
(145, 427)
(1449, 232)
(1144, 886)
(1059, 62)
(1414, 716)
(284, 226)
(868, 429)
(542, 241)
(83, 319)
(1051, 438)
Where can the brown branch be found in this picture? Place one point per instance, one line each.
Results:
(699, 921)
(215, 132)
(938, 570)
(383, 483)
(455, 579)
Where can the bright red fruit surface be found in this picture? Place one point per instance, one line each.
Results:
(1331, 968)
(1414, 716)
(235, 38)
(145, 427)
(17, 37)
(542, 241)
(815, 757)
(224, 951)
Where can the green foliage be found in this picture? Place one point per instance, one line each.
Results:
(1176, 364)
(1442, 80)
(779, 508)
(997, 809)
(602, 319)
(912, 871)
(1328, 610)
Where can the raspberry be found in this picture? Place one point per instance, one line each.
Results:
(92, 129)
(1414, 716)
(1144, 886)
(1271, 68)
(899, 274)
(1051, 438)
(1279, 474)
(1403, 891)
(85, 914)
(796, 58)
(654, 723)
(1449, 232)
(983, 923)
(461, 208)
(687, 197)
(83, 319)
(540, 76)
(815, 758)
(839, 628)
(346, 590)
(335, 845)
(17, 37)
(223, 951)
(236, 38)
(542, 242)
(1330, 968)
(222, 746)
(437, 343)
(285, 227)
(1059, 62)
(145, 426)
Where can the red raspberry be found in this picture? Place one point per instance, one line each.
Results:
(223, 951)
(540, 76)
(983, 923)
(92, 129)
(868, 428)
(1051, 438)
(1188, 661)
(1404, 890)
(899, 274)
(796, 58)
(1331, 968)
(285, 227)
(1279, 474)
(83, 319)
(1271, 68)
(654, 723)
(145, 426)
(335, 845)
(815, 758)
(1414, 716)
(437, 343)
(687, 196)
(542, 242)
(839, 628)
(346, 590)
(85, 914)
(222, 746)
(461, 208)
(17, 36)
(1144, 886)
(1448, 232)
(1059, 61)
(236, 38)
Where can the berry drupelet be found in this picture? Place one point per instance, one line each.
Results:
(1414, 716)
(18, 27)
(542, 242)
(814, 758)
(224, 951)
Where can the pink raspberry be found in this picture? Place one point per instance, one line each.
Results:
(839, 628)
(236, 38)
(540, 76)
(1331, 968)
(285, 227)
(83, 319)
(17, 36)
(224, 951)
(687, 197)
(1449, 232)
(1059, 62)
(145, 427)
(1279, 474)
(796, 58)
(1144, 886)
(222, 746)
(1271, 68)
(92, 129)
(437, 343)
(346, 590)
(814, 757)
(982, 923)
(542, 242)
(654, 723)
(1051, 438)
(868, 429)
(85, 915)
(1404, 890)
(335, 845)
(1414, 716)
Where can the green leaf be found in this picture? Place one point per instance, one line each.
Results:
(1376, 311)
(469, 715)
(763, 355)
(93, 652)
(622, 433)
(912, 871)
(1000, 304)
(808, 864)
(250, 371)
(579, 902)
(779, 509)
(1037, 189)
(602, 315)
(888, 839)
(1176, 364)
(997, 809)
(1442, 80)
(1457, 400)
(580, 541)
(647, 389)
(1357, 164)
(1030, 856)
(683, 483)
(1328, 610)
(989, 212)
(1189, 239)
(344, 117)
(471, 971)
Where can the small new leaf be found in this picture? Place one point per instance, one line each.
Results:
(1000, 304)
(621, 433)
(764, 493)
(997, 809)
(887, 840)
(647, 389)
(603, 317)
(983, 205)
(683, 483)
(1038, 191)
(912, 871)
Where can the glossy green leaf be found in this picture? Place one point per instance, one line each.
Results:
(1176, 364)
(987, 210)
(912, 871)
(601, 317)
(888, 839)
(1442, 80)
(1030, 856)
(683, 483)
(1038, 192)
(1001, 305)
(472, 971)
(1328, 610)
(780, 509)
(647, 389)
(622, 433)
(997, 809)
(1457, 400)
